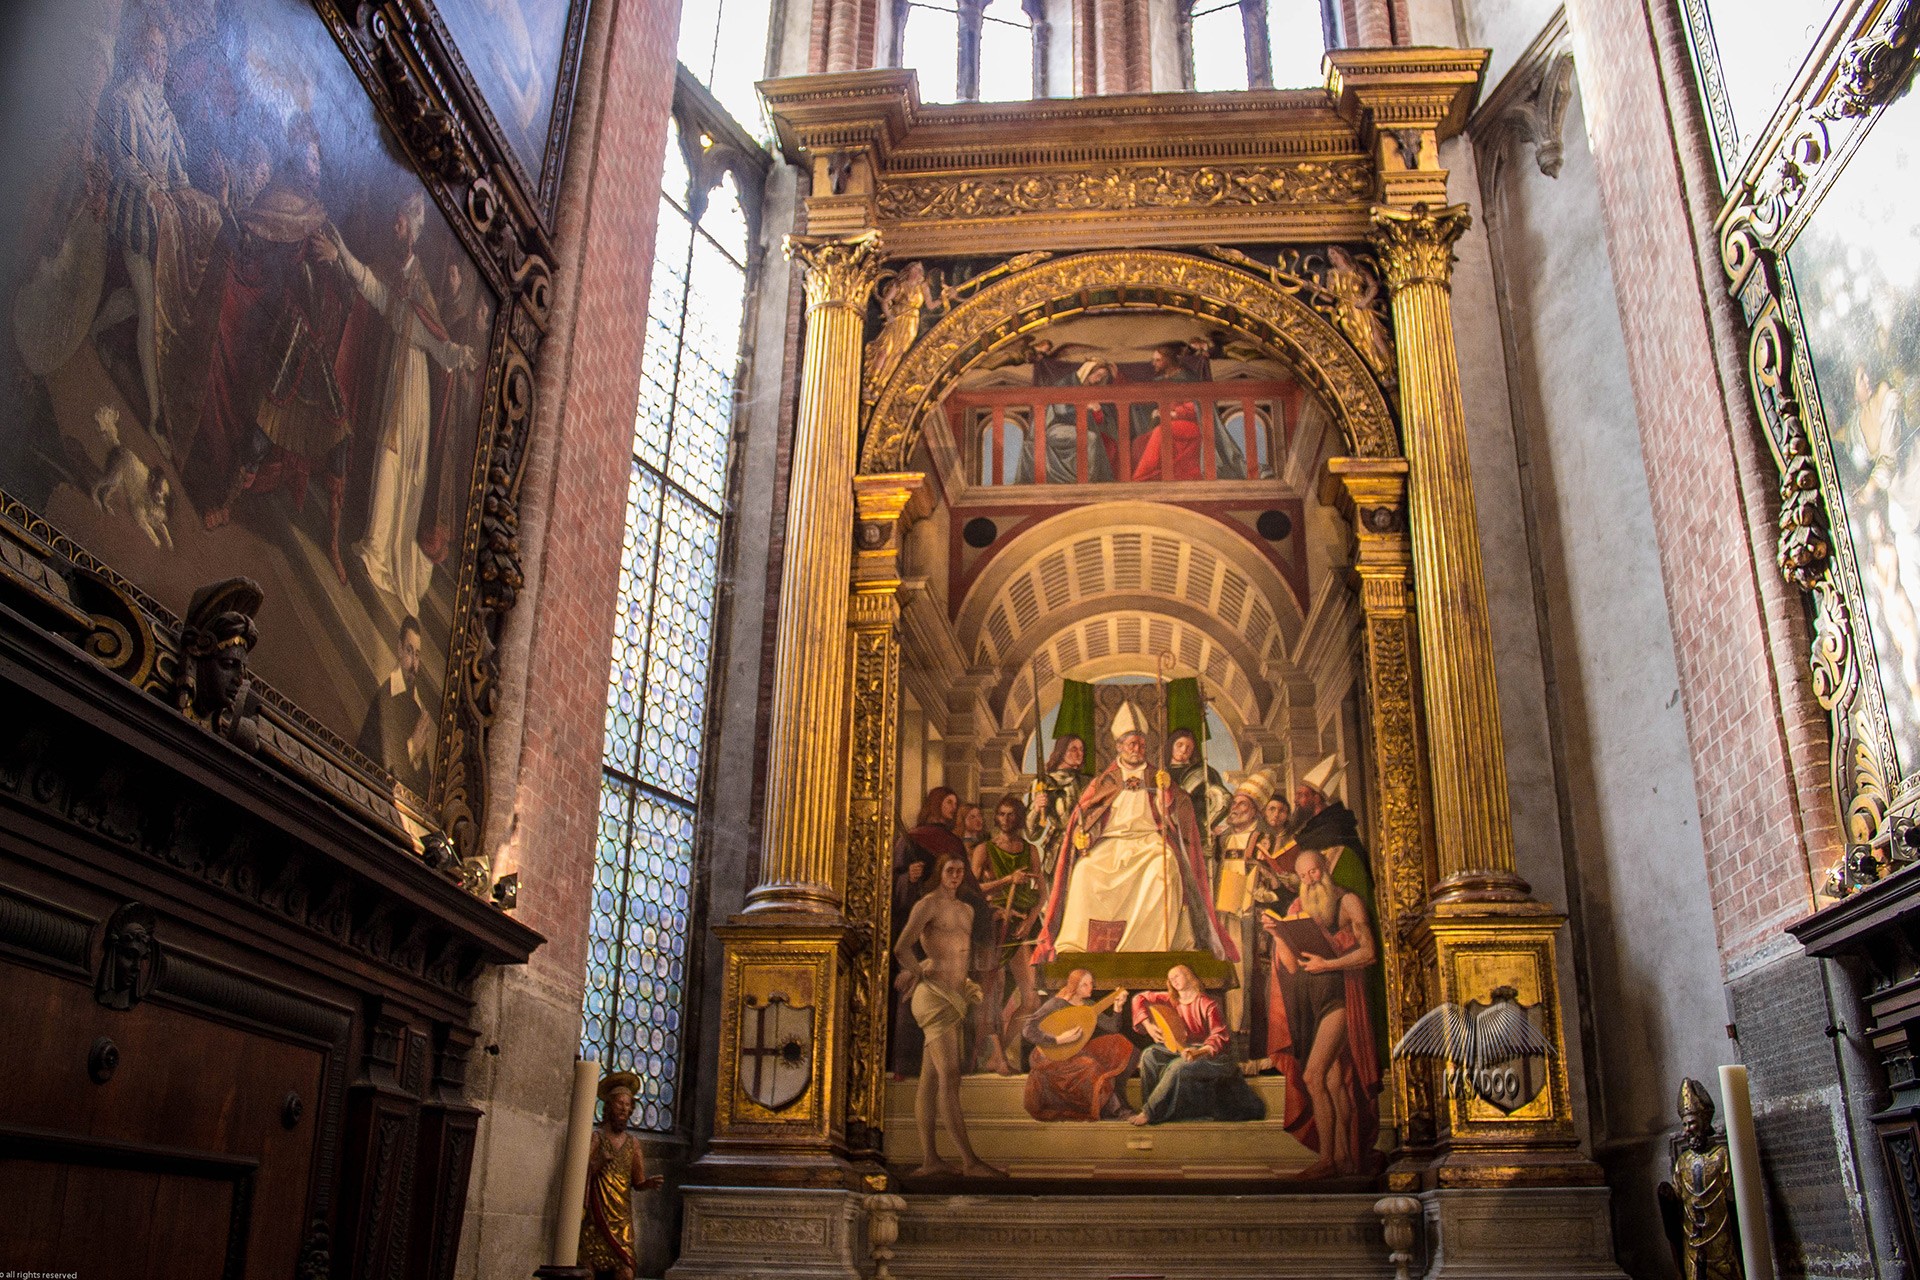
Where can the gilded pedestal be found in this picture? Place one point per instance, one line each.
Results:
(792, 984)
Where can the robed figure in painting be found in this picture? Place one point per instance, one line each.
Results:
(1186, 1073)
(408, 414)
(163, 226)
(1322, 822)
(1320, 1030)
(397, 731)
(1080, 1062)
(279, 415)
(1133, 873)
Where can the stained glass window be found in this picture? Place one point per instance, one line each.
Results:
(663, 645)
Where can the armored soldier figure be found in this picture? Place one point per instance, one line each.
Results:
(1055, 793)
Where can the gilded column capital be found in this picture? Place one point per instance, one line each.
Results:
(1415, 246)
(841, 270)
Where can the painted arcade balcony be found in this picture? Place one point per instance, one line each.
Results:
(1161, 432)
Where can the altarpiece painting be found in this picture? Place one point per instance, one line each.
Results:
(1135, 931)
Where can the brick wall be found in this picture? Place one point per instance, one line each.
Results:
(1758, 738)
(545, 752)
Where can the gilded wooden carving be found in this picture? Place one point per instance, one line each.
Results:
(1827, 375)
(1117, 188)
(1082, 282)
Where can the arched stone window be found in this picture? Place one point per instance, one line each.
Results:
(645, 886)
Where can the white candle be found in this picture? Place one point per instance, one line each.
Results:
(1749, 1196)
(573, 1169)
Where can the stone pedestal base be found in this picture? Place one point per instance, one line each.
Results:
(1523, 1233)
(1530, 1233)
(1178, 1237)
(740, 1233)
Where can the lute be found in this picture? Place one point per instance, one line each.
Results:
(1086, 1017)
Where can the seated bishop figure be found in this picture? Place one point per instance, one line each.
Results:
(1132, 874)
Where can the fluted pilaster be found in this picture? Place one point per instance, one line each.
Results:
(1472, 824)
(803, 867)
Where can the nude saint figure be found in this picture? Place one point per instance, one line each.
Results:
(942, 996)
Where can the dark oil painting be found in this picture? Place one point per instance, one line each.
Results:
(242, 340)
(513, 48)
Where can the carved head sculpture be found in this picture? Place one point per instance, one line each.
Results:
(1696, 1115)
(129, 957)
(218, 635)
(616, 1093)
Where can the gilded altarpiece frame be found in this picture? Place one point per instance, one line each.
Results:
(1355, 164)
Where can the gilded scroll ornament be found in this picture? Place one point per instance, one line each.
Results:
(1342, 286)
(1415, 246)
(1063, 287)
(1115, 189)
(840, 272)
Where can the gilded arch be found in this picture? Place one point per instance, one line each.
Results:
(1060, 288)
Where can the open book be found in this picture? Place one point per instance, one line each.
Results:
(1303, 934)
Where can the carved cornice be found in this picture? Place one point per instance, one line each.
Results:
(1143, 169)
(1407, 87)
(1114, 189)
(1415, 246)
(116, 774)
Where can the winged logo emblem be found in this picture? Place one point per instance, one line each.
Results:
(1495, 1050)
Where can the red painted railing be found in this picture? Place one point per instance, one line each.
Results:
(993, 427)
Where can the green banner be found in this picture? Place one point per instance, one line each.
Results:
(1076, 718)
(1186, 709)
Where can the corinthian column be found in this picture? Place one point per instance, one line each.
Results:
(803, 866)
(1473, 828)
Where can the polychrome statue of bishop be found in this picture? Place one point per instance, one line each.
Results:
(1132, 874)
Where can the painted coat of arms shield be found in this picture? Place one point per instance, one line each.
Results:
(1510, 1083)
(776, 1051)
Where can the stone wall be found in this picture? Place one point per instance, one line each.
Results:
(1689, 754)
(1635, 863)
(547, 746)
